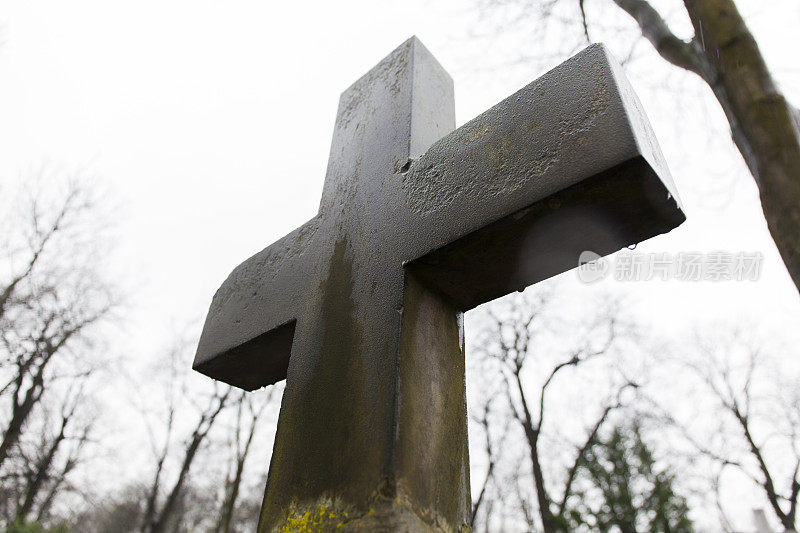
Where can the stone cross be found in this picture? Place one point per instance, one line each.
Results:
(361, 308)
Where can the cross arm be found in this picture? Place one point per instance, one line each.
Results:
(568, 163)
(248, 332)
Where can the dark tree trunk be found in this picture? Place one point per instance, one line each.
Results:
(158, 522)
(229, 506)
(34, 368)
(764, 126)
(42, 471)
(763, 123)
(171, 503)
(532, 436)
(20, 412)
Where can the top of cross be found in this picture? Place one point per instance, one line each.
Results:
(398, 188)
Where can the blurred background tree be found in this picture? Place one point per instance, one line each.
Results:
(58, 309)
(53, 297)
(626, 489)
(582, 421)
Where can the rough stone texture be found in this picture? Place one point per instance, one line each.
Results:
(418, 223)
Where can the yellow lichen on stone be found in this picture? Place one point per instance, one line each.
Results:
(320, 519)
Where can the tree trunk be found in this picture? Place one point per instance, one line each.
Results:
(764, 125)
(548, 521)
(229, 506)
(20, 412)
(532, 436)
(41, 474)
(148, 519)
(169, 506)
(160, 522)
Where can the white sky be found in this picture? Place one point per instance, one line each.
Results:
(210, 123)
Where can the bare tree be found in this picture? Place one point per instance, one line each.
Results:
(512, 339)
(53, 296)
(723, 53)
(762, 425)
(39, 470)
(204, 423)
(45, 478)
(163, 504)
(249, 411)
(484, 503)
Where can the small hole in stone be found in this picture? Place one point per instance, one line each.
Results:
(405, 167)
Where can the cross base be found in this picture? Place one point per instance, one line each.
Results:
(387, 514)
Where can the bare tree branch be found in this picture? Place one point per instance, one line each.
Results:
(582, 8)
(483, 420)
(205, 421)
(655, 30)
(242, 441)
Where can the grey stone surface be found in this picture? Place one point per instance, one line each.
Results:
(361, 307)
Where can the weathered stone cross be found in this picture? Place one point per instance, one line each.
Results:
(360, 309)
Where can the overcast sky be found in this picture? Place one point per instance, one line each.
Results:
(210, 122)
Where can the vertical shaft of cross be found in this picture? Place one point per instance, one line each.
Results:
(432, 455)
(372, 431)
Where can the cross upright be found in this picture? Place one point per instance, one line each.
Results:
(361, 308)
